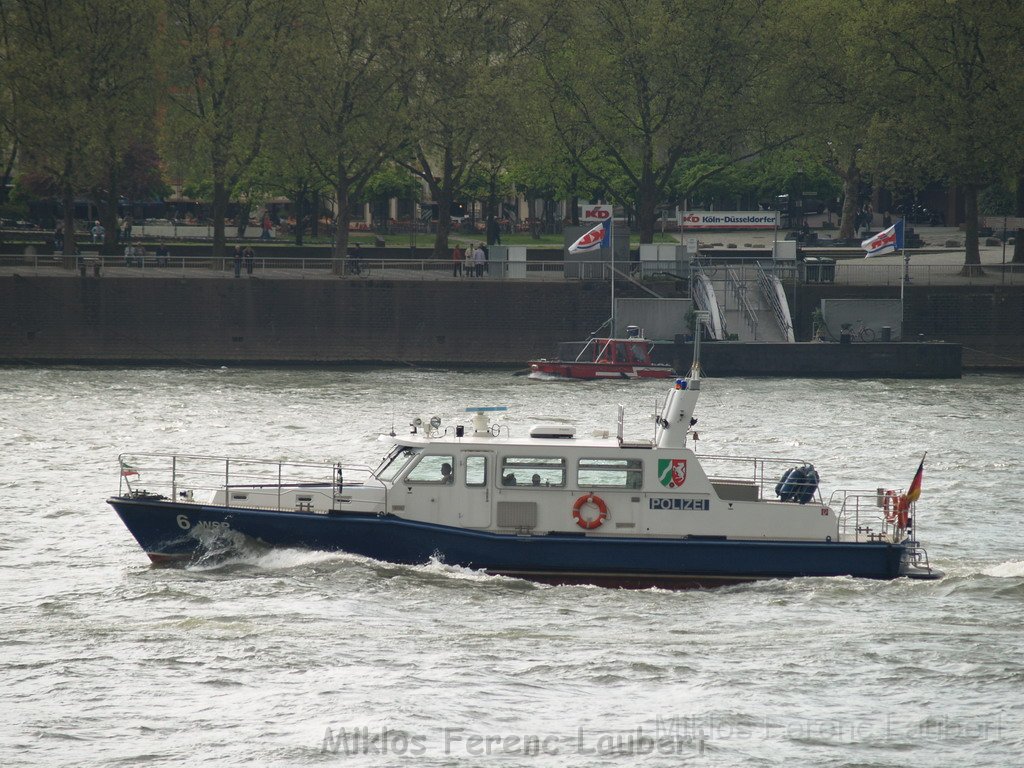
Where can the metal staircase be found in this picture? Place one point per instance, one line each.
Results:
(748, 300)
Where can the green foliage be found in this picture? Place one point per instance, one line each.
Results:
(641, 104)
(392, 181)
(998, 200)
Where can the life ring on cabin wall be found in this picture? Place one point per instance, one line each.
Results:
(602, 511)
(890, 505)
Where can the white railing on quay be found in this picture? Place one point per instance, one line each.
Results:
(91, 263)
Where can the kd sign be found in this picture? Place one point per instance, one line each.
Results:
(597, 213)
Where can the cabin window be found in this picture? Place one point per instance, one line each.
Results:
(396, 460)
(432, 469)
(639, 353)
(476, 470)
(532, 472)
(610, 473)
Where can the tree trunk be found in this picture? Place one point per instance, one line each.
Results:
(443, 198)
(341, 221)
(5, 173)
(848, 217)
(1018, 248)
(972, 255)
(647, 211)
(242, 221)
(646, 208)
(68, 200)
(300, 214)
(220, 209)
(534, 220)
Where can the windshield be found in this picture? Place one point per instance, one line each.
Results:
(395, 462)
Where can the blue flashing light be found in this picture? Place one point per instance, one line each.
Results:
(680, 383)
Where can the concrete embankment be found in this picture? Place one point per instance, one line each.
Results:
(898, 360)
(72, 319)
(222, 320)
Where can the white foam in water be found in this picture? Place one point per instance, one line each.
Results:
(272, 559)
(458, 571)
(1008, 570)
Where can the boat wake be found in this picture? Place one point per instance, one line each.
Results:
(229, 552)
(1008, 570)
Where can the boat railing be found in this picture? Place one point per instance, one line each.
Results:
(188, 478)
(752, 478)
(863, 515)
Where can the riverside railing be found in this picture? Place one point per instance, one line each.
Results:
(91, 263)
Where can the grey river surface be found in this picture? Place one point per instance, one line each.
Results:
(294, 658)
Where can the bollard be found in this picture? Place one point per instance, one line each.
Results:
(886, 333)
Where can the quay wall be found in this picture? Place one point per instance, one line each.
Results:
(67, 319)
(986, 320)
(73, 319)
(896, 360)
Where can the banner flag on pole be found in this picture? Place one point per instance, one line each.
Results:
(914, 492)
(884, 242)
(593, 239)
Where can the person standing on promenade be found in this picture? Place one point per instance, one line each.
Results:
(249, 257)
(97, 232)
(457, 257)
(237, 260)
(265, 225)
(478, 260)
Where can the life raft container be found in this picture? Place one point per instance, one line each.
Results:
(602, 511)
(798, 484)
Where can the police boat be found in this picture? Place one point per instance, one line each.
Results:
(551, 506)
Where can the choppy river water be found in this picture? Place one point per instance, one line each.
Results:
(299, 658)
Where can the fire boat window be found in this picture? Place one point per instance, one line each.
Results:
(532, 472)
(610, 473)
(639, 353)
(432, 469)
(396, 460)
(476, 470)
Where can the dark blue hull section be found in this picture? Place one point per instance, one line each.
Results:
(169, 531)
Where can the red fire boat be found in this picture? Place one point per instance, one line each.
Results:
(603, 358)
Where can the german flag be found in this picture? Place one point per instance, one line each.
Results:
(914, 492)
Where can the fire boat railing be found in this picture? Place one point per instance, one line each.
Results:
(187, 478)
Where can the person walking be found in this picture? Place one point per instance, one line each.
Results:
(266, 225)
(457, 257)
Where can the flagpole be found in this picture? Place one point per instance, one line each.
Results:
(906, 277)
(611, 236)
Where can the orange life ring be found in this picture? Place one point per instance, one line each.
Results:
(890, 504)
(602, 511)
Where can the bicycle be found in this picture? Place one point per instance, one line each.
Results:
(861, 332)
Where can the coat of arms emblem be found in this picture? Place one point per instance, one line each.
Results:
(672, 472)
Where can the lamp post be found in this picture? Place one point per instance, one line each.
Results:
(1004, 249)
